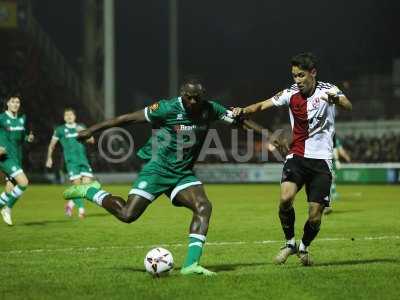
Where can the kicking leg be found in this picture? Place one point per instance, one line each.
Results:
(195, 199)
(125, 211)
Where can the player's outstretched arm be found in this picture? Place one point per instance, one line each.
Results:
(339, 100)
(248, 110)
(123, 120)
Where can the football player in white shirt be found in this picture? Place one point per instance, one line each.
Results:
(309, 161)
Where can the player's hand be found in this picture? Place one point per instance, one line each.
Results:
(280, 141)
(3, 151)
(237, 111)
(331, 98)
(84, 135)
(30, 137)
(91, 140)
(49, 163)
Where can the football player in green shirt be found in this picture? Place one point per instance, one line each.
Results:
(76, 162)
(13, 133)
(170, 153)
(338, 152)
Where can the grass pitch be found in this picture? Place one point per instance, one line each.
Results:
(49, 256)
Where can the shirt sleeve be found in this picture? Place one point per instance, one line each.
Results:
(282, 98)
(221, 113)
(336, 90)
(156, 112)
(56, 134)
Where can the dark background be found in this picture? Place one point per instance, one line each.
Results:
(241, 48)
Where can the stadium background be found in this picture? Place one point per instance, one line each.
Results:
(53, 53)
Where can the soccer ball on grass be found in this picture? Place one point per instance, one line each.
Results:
(159, 262)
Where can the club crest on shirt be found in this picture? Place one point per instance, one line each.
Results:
(315, 102)
(154, 106)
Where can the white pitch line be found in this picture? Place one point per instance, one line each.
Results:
(87, 249)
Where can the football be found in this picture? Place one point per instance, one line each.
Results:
(159, 262)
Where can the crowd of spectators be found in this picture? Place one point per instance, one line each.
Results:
(373, 149)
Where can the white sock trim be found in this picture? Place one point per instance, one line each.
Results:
(291, 242)
(17, 192)
(142, 193)
(198, 236)
(13, 175)
(179, 188)
(99, 196)
(302, 247)
(198, 244)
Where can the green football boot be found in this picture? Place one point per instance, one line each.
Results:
(196, 269)
(79, 191)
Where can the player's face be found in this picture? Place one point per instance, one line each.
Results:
(304, 79)
(13, 105)
(192, 97)
(69, 117)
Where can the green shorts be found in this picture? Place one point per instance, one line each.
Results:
(151, 183)
(10, 167)
(78, 170)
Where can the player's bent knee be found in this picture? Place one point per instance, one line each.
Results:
(128, 218)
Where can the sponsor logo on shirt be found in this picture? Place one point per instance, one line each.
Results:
(16, 128)
(178, 128)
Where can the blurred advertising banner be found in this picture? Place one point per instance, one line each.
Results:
(236, 173)
(8, 14)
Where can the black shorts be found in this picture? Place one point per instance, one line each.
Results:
(315, 174)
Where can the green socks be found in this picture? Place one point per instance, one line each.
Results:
(196, 242)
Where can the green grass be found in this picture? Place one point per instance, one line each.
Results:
(48, 256)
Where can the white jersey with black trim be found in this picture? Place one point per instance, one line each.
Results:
(312, 120)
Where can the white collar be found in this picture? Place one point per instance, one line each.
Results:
(70, 125)
(180, 102)
(11, 115)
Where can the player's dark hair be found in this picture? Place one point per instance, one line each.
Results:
(70, 109)
(13, 95)
(305, 61)
(192, 80)
(9, 96)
